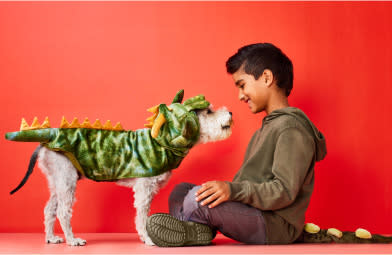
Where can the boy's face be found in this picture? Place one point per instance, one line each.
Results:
(253, 92)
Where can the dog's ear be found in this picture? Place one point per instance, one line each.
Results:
(190, 128)
(179, 96)
(188, 134)
(180, 141)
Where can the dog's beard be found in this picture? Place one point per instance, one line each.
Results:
(223, 133)
(226, 132)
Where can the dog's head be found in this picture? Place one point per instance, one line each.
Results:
(182, 125)
(214, 125)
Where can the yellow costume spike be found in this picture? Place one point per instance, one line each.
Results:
(148, 125)
(118, 127)
(35, 124)
(24, 125)
(86, 124)
(75, 123)
(108, 125)
(157, 125)
(153, 109)
(64, 123)
(97, 124)
(46, 123)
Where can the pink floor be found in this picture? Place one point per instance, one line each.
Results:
(123, 243)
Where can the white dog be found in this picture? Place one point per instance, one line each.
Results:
(62, 178)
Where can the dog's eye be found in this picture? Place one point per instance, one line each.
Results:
(209, 111)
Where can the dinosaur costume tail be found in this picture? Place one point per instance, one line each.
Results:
(313, 234)
(38, 135)
(30, 169)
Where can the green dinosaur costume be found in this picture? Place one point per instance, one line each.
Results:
(108, 155)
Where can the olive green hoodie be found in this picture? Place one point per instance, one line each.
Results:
(277, 174)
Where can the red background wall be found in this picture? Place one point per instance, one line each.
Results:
(114, 60)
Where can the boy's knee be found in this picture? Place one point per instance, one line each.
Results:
(180, 191)
(190, 204)
(183, 187)
(177, 196)
(191, 195)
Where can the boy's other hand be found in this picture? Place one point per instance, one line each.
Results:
(213, 191)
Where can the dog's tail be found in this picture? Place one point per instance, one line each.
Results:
(30, 169)
(37, 135)
(313, 234)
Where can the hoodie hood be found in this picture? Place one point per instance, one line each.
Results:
(321, 147)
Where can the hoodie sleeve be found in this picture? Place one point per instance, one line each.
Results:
(293, 155)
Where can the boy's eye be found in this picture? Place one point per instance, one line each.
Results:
(209, 111)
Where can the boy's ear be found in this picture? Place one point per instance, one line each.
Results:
(267, 77)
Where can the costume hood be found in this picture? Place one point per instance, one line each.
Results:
(321, 148)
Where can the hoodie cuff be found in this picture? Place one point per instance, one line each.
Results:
(237, 191)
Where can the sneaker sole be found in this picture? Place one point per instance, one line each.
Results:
(166, 231)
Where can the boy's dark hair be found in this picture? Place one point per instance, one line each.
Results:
(255, 58)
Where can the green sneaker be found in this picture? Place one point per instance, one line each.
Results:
(166, 231)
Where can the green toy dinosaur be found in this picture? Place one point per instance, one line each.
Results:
(101, 153)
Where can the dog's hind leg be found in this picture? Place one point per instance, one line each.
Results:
(50, 219)
(50, 211)
(65, 190)
(64, 177)
(145, 189)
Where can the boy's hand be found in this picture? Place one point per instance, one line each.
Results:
(213, 191)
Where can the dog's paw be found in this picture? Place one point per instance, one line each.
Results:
(76, 242)
(54, 239)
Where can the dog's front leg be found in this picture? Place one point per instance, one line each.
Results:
(144, 191)
(143, 197)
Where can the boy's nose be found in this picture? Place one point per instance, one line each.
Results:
(241, 96)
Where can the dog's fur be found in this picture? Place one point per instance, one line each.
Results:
(62, 178)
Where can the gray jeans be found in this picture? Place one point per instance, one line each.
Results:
(235, 220)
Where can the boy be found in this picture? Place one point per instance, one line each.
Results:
(267, 199)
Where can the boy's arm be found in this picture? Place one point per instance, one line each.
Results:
(292, 159)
